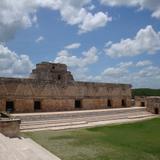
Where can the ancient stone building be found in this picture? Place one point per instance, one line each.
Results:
(51, 87)
(153, 104)
(140, 101)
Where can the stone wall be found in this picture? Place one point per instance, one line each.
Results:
(10, 127)
(140, 101)
(53, 97)
(153, 104)
(45, 92)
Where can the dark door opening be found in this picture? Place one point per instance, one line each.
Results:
(78, 104)
(156, 111)
(142, 104)
(37, 105)
(9, 106)
(59, 77)
(109, 104)
(123, 103)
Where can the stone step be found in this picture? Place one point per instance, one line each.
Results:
(141, 116)
(50, 120)
(59, 119)
(76, 119)
(42, 125)
(75, 114)
(45, 126)
(92, 124)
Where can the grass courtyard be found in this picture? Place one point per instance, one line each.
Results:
(137, 141)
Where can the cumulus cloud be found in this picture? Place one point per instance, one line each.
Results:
(39, 39)
(78, 13)
(144, 75)
(91, 22)
(143, 63)
(73, 46)
(12, 64)
(82, 74)
(88, 57)
(146, 41)
(22, 14)
(119, 71)
(15, 15)
(153, 5)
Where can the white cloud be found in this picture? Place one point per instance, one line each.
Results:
(126, 64)
(88, 57)
(153, 5)
(82, 74)
(119, 71)
(91, 22)
(73, 46)
(144, 76)
(77, 13)
(147, 72)
(39, 39)
(12, 64)
(139, 74)
(146, 41)
(14, 15)
(115, 72)
(143, 63)
(22, 14)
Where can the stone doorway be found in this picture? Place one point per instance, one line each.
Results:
(156, 110)
(142, 104)
(123, 103)
(9, 106)
(78, 104)
(37, 105)
(109, 103)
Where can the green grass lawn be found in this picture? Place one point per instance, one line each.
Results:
(137, 141)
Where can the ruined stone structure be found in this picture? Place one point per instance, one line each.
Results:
(140, 101)
(153, 104)
(51, 87)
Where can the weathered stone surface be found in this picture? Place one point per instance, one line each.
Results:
(10, 127)
(140, 101)
(55, 89)
(20, 148)
(153, 104)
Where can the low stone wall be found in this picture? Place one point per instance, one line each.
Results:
(10, 127)
(153, 104)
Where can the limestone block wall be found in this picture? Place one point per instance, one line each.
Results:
(94, 103)
(153, 104)
(59, 97)
(57, 105)
(24, 105)
(2, 104)
(140, 101)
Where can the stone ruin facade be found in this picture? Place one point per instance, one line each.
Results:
(153, 104)
(51, 87)
(140, 101)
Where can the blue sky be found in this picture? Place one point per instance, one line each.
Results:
(106, 41)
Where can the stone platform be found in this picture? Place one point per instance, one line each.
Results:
(77, 119)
